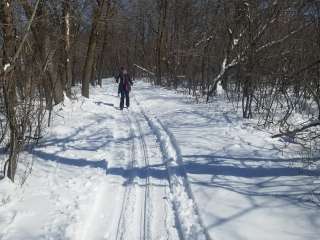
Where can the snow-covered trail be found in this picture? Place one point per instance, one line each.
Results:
(98, 174)
(138, 206)
(162, 169)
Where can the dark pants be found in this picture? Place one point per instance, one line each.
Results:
(119, 91)
(124, 94)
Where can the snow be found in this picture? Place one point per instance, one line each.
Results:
(166, 168)
(7, 65)
(246, 185)
(205, 40)
(235, 41)
(183, 202)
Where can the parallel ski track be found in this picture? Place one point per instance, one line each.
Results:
(145, 234)
(128, 189)
(145, 211)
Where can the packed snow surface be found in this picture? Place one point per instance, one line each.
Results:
(166, 168)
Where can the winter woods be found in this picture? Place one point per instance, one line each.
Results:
(46, 47)
(265, 55)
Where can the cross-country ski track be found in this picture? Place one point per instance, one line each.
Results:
(163, 169)
(154, 195)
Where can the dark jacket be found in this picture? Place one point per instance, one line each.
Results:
(125, 82)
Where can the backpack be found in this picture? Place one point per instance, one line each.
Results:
(126, 83)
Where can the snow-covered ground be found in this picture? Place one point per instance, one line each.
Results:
(164, 169)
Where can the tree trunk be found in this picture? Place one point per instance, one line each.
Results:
(68, 62)
(161, 28)
(101, 59)
(89, 63)
(9, 83)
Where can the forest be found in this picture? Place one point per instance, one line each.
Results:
(264, 53)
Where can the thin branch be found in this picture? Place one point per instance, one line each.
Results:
(272, 43)
(144, 69)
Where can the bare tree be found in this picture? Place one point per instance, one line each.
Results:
(98, 15)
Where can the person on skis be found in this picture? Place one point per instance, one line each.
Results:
(124, 88)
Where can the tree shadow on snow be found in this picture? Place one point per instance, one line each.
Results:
(99, 103)
(99, 138)
(250, 181)
(157, 171)
(247, 172)
(77, 162)
(259, 184)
